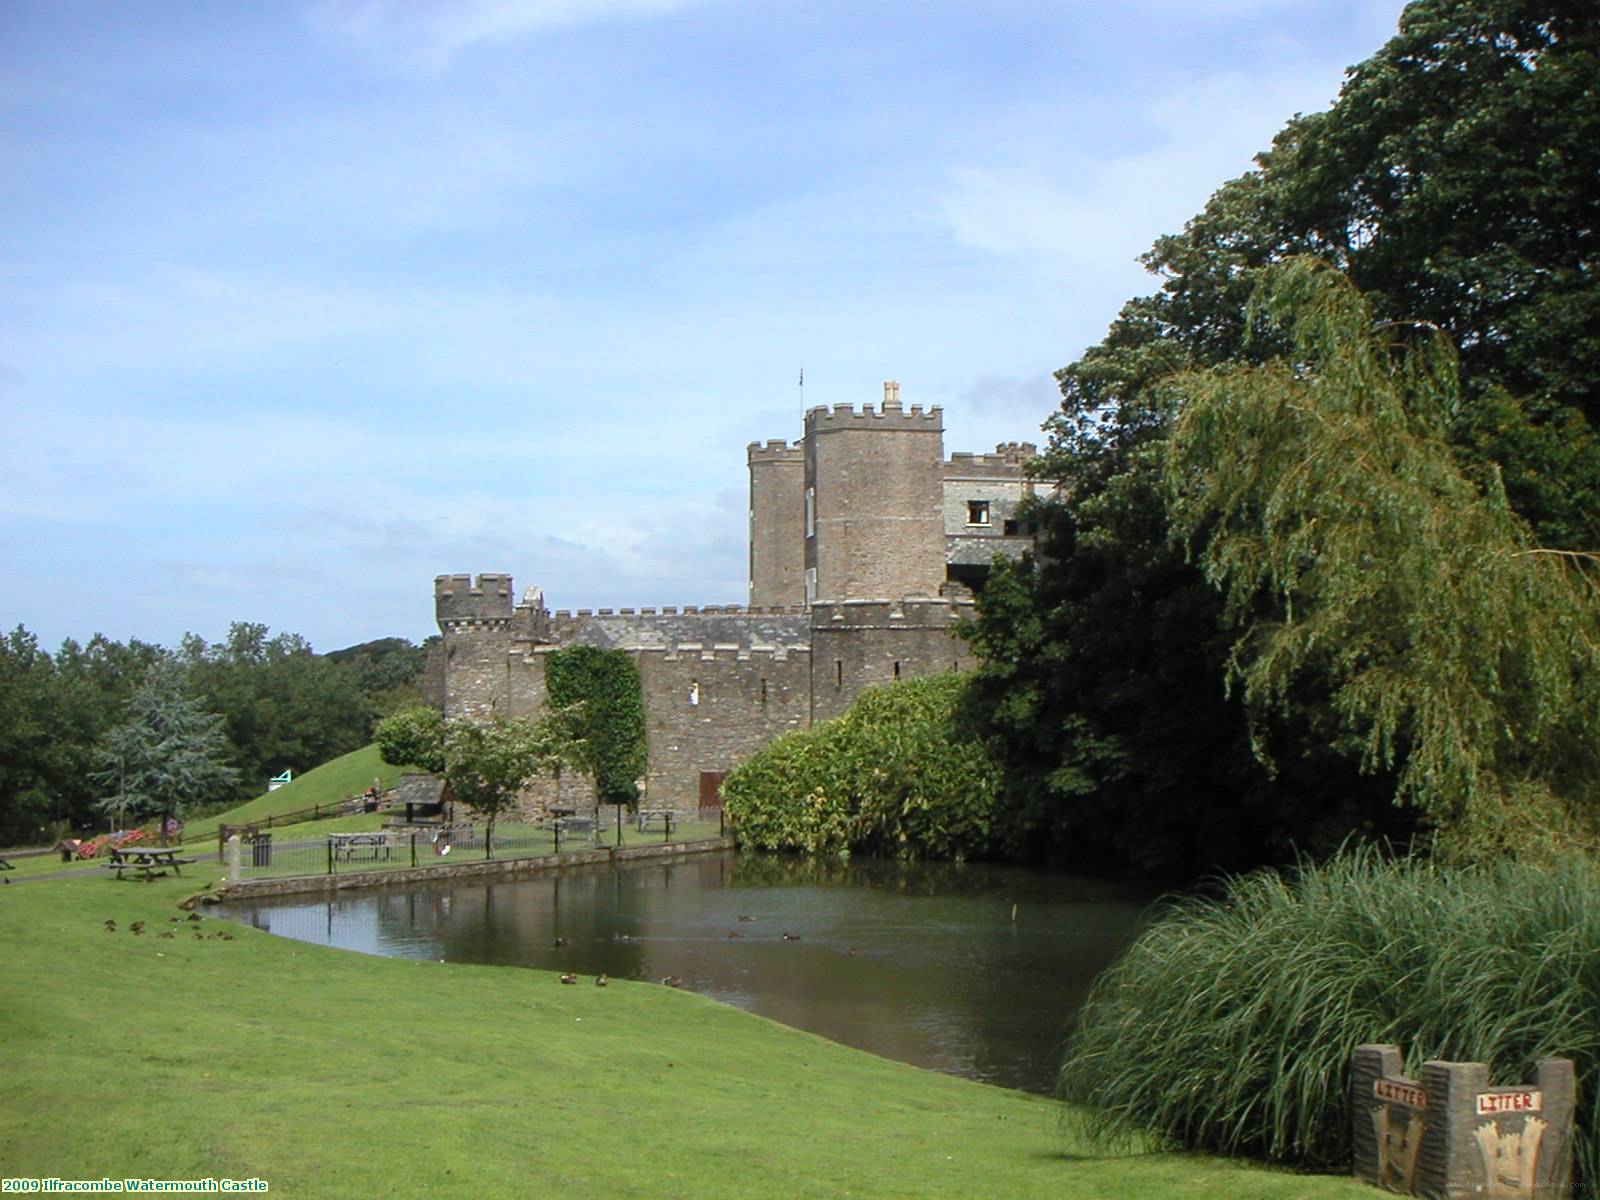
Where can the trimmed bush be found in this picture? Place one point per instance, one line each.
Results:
(898, 774)
(1229, 1024)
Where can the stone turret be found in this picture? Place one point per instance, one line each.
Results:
(777, 524)
(873, 522)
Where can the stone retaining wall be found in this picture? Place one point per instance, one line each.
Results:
(492, 869)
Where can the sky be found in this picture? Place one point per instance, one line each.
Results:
(305, 303)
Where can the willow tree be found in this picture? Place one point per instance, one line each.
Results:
(1319, 493)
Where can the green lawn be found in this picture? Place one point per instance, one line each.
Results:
(328, 1073)
(348, 775)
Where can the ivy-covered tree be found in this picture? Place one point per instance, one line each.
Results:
(600, 691)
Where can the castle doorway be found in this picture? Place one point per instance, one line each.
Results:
(710, 796)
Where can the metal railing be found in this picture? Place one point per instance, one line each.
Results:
(264, 856)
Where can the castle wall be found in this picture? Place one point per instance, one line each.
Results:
(862, 548)
(777, 524)
(873, 486)
(860, 644)
(710, 708)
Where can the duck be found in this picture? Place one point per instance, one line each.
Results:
(569, 978)
(600, 981)
(791, 937)
(746, 919)
(560, 942)
(672, 981)
(165, 933)
(137, 927)
(111, 926)
(733, 933)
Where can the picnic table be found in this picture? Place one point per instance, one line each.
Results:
(666, 818)
(362, 847)
(146, 862)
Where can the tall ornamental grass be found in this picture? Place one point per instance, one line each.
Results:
(1228, 1026)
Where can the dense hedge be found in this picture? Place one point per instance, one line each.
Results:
(1228, 1026)
(611, 721)
(897, 774)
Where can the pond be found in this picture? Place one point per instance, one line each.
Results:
(972, 969)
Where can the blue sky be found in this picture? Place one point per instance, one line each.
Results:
(302, 304)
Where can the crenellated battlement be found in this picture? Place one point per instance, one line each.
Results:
(890, 614)
(889, 416)
(723, 652)
(1008, 456)
(461, 599)
(775, 450)
(566, 616)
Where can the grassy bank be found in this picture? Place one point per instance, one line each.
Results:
(348, 775)
(333, 1074)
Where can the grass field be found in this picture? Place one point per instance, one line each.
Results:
(348, 775)
(333, 1074)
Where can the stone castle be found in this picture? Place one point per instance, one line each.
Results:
(866, 545)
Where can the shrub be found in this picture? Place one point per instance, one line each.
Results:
(1228, 1026)
(897, 774)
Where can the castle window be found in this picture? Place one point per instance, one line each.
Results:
(811, 511)
(977, 512)
(694, 692)
(811, 586)
(763, 691)
(1011, 528)
(838, 672)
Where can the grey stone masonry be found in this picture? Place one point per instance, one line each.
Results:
(1449, 1133)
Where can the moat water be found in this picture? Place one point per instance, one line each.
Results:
(917, 962)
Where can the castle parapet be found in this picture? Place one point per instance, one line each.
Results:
(461, 599)
(775, 451)
(910, 613)
(889, 416)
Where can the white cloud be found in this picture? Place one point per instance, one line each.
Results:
(1102, 214)
(428, 34)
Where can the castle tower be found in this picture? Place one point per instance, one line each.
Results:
(777, 524)
(874, 528)
(475, 617)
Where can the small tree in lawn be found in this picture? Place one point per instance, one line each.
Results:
(413, 737)
(487, 765)
(166, 757)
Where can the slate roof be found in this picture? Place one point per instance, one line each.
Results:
(420, 790)
(667, 632)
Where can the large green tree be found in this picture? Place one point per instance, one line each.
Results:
(1323, 499)
(167, 756)
(1454, 180)
(283, 705)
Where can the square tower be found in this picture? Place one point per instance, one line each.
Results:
(874, 528)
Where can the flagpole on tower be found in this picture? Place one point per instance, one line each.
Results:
(802, 389)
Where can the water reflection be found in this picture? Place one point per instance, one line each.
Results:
(918, 962)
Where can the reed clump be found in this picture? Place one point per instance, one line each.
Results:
(1228, 1026)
